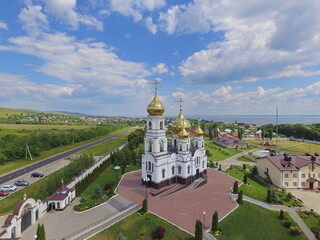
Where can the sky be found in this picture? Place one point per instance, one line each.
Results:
(102, 56)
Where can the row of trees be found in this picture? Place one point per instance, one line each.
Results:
(311, 132)
(13, 147)
(130, 154)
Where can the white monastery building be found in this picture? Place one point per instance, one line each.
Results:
(181, 162)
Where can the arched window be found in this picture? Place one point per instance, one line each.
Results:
(180, 147)
(150, 145)
(196, 143)
(152, 167)
(179, 169)
(150, 125)
(202, 164)
(163, 173)
(161, 145)
(188, 169)
(175, 143)
(146, 166)
(149, 166)
(161, 125)
(172, 169)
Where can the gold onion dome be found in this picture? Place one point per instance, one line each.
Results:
(180, 122)
(155, 108)
(199, 132)
(183, 134)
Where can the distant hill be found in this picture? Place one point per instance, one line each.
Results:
(16, 111)
(76, 114)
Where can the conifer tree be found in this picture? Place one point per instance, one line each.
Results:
(281, 215)
(215, 221)
(235, 187)
(239, 199)
(145, 206)
(269, 196)
(245, 179)
(198, 231)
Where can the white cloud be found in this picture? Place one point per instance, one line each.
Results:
(160, 68)
(264, 39)
(34, 21)
(150, 25)
(135, 8)
(64, 11)
(3, 25)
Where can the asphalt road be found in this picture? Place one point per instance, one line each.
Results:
(36, 165)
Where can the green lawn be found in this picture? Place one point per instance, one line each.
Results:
(312, 220)
(251, 222)
(243, 159)
(10, 166)
(107, 176)
(253, 189)
(42, 126)
(216, 153)
(105, 147)
(137, 227)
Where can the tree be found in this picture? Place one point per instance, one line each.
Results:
(219, 167)
(235, 187)
(270, 133)
(215, 221)
(245, 179)
(198, 232)
(158, 233)
(240, 196)
(41, 235)
(96, 193)
(240, 133)
(269, 196)
(144, 206)
(254, 171)
(210, 132)
(281, 215)
(215, 133)
(244, 167)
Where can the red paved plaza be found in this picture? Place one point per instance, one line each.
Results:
(184, 207)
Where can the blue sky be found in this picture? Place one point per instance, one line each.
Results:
(101, 56)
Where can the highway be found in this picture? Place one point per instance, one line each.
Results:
(22, 171)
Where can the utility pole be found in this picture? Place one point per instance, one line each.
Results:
(28, 152)
(277, 126)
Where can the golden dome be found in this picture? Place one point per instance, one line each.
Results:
(155, 108)
(199, 132)
(183, 134)
(180, 122)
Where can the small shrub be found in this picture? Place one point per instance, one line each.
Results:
(287, 224)
(158, 233)
(295, 231)
(304, 216)
(245, 179)
(235, 187)
(108, 186)
(281, 215)
(83, 199)
(288, 197)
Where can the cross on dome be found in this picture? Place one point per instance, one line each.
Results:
(180, 101)
(156, 82)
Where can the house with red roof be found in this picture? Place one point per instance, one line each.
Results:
(61, 198)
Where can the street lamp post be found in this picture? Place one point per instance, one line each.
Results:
(204, 220)
(146, 180)
(117, 169)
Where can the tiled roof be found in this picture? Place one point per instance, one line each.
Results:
(57, 197)
(229, 140)
(295, 163)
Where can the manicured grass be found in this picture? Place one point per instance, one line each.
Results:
(107, 176)
(312, 220)
(251, 222)
(137, 227)
(219, 153)
(105, 147)
(10, 166)
(290, 146)
(243, 159)
(253, 189)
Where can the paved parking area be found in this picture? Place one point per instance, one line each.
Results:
(46, 170)
(310, 199)
(184, 207)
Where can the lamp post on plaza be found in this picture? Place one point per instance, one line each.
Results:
(117, 169)
(146, 180)
(204, 221)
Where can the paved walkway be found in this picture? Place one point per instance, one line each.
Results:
(310, 199)
(302, 225)
(185, 206)
(225, 164)
(59, 224)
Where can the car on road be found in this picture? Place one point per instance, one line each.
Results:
(4, 193)
(36, 174)
(9, 188)
(21, 183)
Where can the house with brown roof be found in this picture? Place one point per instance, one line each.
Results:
(291, 171)
(230, 142)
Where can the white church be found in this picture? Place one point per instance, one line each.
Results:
(182, 162)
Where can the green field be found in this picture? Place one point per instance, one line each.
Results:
(218, 153)
(9, 127)
(312, 220)
(105, 147)
(137, 227)
(251, 222)
(243, 159)
(10, 166)
(289, 146)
